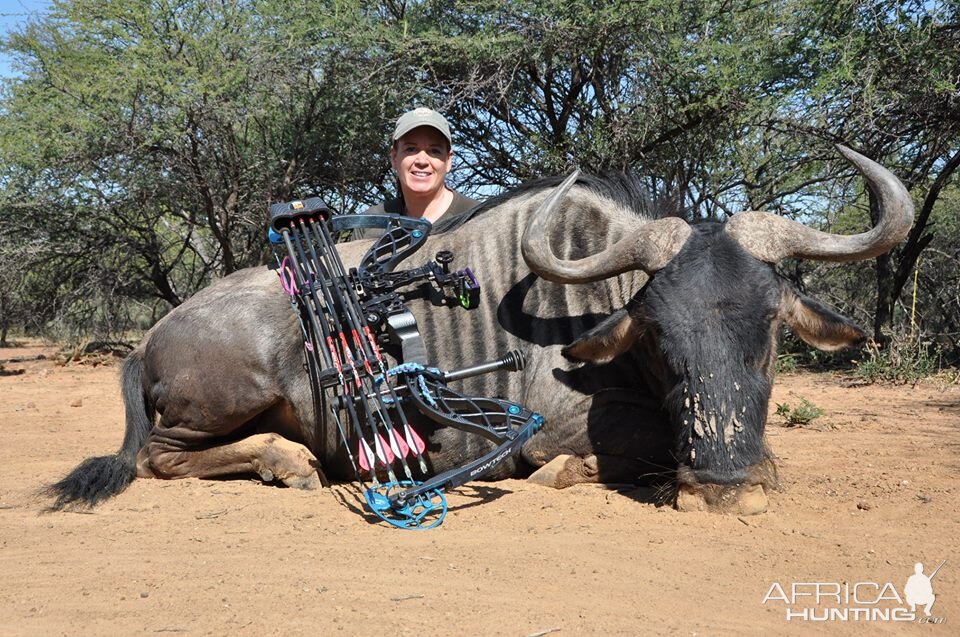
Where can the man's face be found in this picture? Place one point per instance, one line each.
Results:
(422, 158)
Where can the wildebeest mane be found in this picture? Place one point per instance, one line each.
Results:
(624, 189)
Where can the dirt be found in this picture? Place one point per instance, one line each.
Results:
(868, 489)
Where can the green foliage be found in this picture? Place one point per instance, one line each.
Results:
(661, 89)
(902, 361)
(144, 141)
(883, 79)
(803, 414)
(787, 363)
(139, 152)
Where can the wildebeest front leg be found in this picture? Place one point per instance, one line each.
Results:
(270, 456)
(567, 470)
(613, 446)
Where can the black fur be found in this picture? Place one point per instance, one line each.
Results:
(100, 478)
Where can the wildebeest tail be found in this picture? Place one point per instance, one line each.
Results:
(100, 478)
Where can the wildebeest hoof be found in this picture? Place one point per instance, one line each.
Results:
(287, 461)
(307, 483)
(738, 500)
(591, 465)
(565, 471)
(548, 474)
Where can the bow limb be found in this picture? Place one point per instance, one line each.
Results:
(507, 424)
(458, 476)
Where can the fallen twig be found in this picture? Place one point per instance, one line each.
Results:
(212, 514)
(544, 632)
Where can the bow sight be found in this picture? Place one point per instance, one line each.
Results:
(347, 317)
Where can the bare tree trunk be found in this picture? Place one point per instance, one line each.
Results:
(4, 328)
(891, 277)
(886, 299)
(4, 322)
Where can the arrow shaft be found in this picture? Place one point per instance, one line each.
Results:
(333, 280)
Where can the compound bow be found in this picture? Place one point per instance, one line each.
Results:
(346, 317)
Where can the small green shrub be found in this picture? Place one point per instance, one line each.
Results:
(902, 361)
(805, 413)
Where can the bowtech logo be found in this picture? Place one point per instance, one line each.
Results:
(859, 601)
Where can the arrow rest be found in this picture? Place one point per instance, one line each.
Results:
(346, 317)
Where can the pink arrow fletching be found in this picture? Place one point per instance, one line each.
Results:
(400, 448)
(366, 455)
(414, 440)
(384, 452)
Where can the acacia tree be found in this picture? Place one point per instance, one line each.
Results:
(147, 138)
(885, 77)
(160, 132)
(663, 89)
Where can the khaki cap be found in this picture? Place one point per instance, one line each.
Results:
(422, 117)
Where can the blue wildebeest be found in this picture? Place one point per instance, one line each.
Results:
(651, 343)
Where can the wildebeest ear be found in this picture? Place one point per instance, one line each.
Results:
(816, 324)
(612, 337)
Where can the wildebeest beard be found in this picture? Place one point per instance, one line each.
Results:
(713, 311)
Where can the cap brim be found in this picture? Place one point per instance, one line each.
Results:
(400, 132)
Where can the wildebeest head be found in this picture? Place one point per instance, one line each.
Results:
(712, 309)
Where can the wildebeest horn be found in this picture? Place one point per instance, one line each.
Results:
(647, 245)
(772, 238)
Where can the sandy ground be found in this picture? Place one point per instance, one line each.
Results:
(870, 488)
